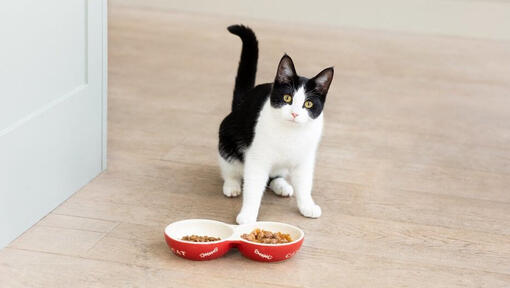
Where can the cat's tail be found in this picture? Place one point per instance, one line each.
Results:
(245, 79)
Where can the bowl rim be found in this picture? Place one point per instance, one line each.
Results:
(201, 220)
(235, 237)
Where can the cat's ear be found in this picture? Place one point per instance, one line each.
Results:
(286, 71)
(323, 80)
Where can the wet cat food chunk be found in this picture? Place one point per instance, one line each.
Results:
(267, 237)
(196, 238)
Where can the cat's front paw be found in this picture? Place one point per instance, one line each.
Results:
(245, 218)
(231, 189)
(311, 210)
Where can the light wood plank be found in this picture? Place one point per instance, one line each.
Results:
(57, 240)
(77, 223)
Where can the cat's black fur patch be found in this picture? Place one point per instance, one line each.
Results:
(238, 128)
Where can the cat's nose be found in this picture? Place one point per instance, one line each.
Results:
(294, 114)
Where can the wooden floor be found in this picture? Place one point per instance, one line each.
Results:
(413, 172)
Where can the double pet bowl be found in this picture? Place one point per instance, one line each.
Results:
(230, 237)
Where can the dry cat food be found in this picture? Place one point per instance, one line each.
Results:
(267, 237)
(196, 238)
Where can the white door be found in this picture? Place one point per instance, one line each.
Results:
(52, 105)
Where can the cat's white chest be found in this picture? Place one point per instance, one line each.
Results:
(284, 143)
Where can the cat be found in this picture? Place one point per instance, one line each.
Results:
(272, 133)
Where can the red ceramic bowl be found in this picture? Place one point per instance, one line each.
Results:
(230, 237)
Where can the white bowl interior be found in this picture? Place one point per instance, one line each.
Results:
(201, 227)
(295, 233)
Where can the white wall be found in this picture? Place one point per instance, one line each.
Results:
(466, 18)
(52, 105)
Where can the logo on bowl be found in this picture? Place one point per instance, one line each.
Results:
(179, 252)
(206, 254)
(290, 255)
(265, 256)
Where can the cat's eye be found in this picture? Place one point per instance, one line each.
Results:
(308, 104)
(287, 98)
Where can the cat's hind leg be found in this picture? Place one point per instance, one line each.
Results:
(279, 185)
(232, 173)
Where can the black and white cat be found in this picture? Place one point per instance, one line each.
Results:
(272, 133)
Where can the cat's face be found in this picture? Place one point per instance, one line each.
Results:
(297, 99)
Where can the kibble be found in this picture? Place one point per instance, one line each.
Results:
(197, 238)
(267, 237)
